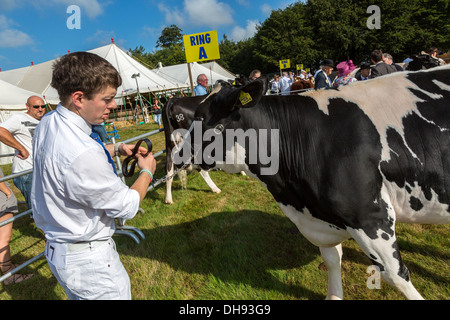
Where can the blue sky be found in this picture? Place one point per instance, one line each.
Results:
(36, 31)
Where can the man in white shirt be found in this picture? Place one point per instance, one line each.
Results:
(303, 75)
(17, 132)
(76, 196)
(285, 84)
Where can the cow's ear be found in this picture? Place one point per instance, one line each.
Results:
(249, 95)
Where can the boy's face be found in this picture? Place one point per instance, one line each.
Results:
(97, 110)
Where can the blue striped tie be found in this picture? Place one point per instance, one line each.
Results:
(96, 137)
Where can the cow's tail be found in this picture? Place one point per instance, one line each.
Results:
(182, 175)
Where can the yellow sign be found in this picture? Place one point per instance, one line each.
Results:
(285, 64)
(300, 67)
(201, 46)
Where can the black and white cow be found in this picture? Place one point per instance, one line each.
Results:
(179, 114)
(351, 161)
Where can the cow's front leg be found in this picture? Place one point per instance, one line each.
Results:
(332, 257)
(169, 180)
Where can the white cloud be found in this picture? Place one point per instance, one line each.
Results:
(266, 9)
(172, 15)
(239, 33)
(11, 37)
(210, 13)
(244, 3)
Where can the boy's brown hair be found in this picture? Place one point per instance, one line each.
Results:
(85, 72)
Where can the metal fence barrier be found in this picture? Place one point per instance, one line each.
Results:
(121, 228)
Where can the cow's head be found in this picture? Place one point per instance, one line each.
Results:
(219, 110)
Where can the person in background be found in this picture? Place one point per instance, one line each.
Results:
(387, 58)
(303, 75)
(8, 207)
(322, 76)
(17, 132)
(284, 84)
(202, 84)
(364, 72)
(274, 85)
(76, 194)
(380, 68)
(157, 107)
(101, 131)
(255, 74)
(344, 68)
(433, 52)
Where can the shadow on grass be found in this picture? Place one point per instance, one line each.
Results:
(241, 247)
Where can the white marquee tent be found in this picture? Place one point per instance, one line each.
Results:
(37, 78)
(12, 99)
(179, 74)
(147, 81)
(214, 66)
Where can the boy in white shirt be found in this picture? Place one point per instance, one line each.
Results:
(76, 195)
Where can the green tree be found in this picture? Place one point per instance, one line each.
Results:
(238, 56)
(286, 34)
(307, 32)
(228, 50)
(170, 56)
(170, 36)
(140, 55)
(170, 50)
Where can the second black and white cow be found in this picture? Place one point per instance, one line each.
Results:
(177, 114)
(345, 163)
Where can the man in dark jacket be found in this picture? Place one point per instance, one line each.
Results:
(363, 72)
(322, 77)
(380, 68)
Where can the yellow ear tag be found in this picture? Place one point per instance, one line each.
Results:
(245, 98)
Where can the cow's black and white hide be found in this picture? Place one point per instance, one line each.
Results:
(351, 161)
(178, 113)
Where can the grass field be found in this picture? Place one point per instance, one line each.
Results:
(232, 245)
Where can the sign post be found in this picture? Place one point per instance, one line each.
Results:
(200, 47)
(190, 79)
